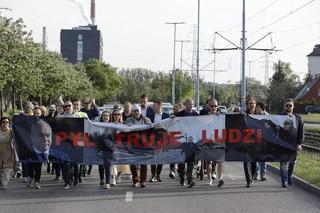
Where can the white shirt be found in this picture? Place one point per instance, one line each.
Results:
(157, 117)
(144, 111)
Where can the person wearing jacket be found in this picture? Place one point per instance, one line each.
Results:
(6, 152)
(138, 118)
(155, 117)
(287, 168)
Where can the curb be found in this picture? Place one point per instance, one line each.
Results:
(312, 122)
(311, 188)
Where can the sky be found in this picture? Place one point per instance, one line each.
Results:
(135, 33)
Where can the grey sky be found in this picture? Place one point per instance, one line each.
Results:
(135, 33)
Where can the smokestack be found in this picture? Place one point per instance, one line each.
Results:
(93, 11)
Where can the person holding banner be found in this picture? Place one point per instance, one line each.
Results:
(138, 118)
(212, 109)
(286, 170)
(155, 117)
(188, 111)
(126, 111)
(250, 168)
(6, 152)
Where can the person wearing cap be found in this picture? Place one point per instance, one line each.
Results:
(138, 118)
(66, 166)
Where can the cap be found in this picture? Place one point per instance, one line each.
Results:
(136, 107)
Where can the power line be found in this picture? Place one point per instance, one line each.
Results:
(282, 17)
(298, 28)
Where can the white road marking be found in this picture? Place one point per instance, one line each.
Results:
(129, 197)
(235, 177)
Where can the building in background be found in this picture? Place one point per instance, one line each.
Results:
(80, 44)
(314, 62)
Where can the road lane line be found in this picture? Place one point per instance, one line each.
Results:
(129, 196)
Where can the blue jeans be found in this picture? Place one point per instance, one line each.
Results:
(286, 175)
(107, 160)
(263, 167)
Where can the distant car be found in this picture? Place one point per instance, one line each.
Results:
(312, 109)
(223, 109)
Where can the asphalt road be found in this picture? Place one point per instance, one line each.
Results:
(167, 196)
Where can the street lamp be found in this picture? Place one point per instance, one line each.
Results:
(174, 60)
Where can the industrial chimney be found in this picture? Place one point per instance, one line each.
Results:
(93, 12)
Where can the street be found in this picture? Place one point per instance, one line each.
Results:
(167, 196)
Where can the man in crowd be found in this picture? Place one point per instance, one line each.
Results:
(286, 173)
(188, 111)
(155, 117)
(138, 118)
(146, 111)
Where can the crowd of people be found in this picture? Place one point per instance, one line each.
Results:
(131, 114)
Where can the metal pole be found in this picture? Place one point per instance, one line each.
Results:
(1, 104)
(214, 76)
(198, 80)
(181, 55)
(243, 71)
(173, 91)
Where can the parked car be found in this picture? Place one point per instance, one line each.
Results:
(312, 109)
(223, 109)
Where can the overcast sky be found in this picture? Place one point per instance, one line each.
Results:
(135, 33)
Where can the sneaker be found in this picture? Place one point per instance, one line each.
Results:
(220, 183)
(67, 186)
(210, 182)
(113, 183)
(142, 185)
(284, 184)
(159, 179)
(29, 182)
(101, 183)
(172, 175)
(182, 181)
(25, 180)
(249, 184)
(153, 179)
(192, 184)
(37, 185)
(80, 180)
(57, 178)
(107, 186)
(136, 185)
(75, 183)
(214, 176)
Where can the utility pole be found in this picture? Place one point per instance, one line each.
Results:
(198, 80)
(243, 53)
(174, 61)
(181, 45)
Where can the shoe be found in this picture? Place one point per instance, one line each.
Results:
(249, 184)
(29, 181)
(263, 177)
(57, 178)
(172, 175)
(75, 183)
(192, 184)
(37, 185)
(67, 186)
(101, 183)
(142, 185)
(25, 180)
(182, 181)
(214, 176)
(18, 174)
(107, 186)
(113, 183)
(153, 179)
(159, 179)
(220, 183)
(284, 185)
(136, 185)
(210, 182)
(80, 180)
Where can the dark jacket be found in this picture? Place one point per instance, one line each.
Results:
(92, 113)
(184, 113)
(149, 111)
(164, 116)
(300, 128)
(189, 150)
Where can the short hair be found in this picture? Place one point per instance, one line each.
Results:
(188, 99)
(251, 98)
(289, 100)
(143, 96)
(158, 102)
(37, 107)
(76, 100)
(4, 118)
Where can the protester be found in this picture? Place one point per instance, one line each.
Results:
(260, 110)
(155, 117)
(138, 118)
(177, 108)
(286, 170)
(66, 165)
(146, 110)
(250, 168)
(126, 111)
(188, 111)
(212, 109)
(77, 108)
(6, 152)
